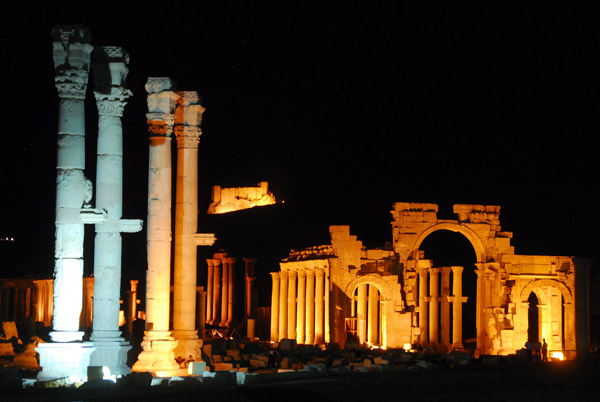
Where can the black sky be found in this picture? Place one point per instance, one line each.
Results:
(344, 109)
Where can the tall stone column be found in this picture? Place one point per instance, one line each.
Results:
(158, 344)
(301, 308)
(66, 355)
(457, 300)
(434, 330)
(361, 313)
(201, 310)
(275, 307)
(111, 72)
(216, 293)
(373, 315)
(131, 310)
(327, 335)
(283, 310)
(309, 339)
(445, 306)
(188, 118)
(291, 304)
(230, 291)
(224, 293)
(423, 308)
(319, 306)
(250, 294)
(209, 289)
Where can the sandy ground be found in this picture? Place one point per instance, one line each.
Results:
(561, 381)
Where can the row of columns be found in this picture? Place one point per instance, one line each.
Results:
(220, 290)
(368, 314)
(431, 302)
(300, 306)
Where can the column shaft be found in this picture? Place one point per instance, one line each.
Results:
(319, 306)
(275, 307)
(361, 313)
(423, 308)
(209, 290)
(301, 308)
(309, 338)
(230, 292)
(445, 306)
(457, 301)
(373, 315)
(283, 310)
(291, 304)
(224, 293)
(433, 305)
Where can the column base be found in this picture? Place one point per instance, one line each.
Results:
(157, 355)
(112, 355)
(66, 336)
(59, 360)
(188, 344)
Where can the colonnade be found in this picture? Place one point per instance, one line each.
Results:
(300, 305)
(431, 302)
(220, 290)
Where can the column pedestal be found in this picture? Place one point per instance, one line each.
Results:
(59, 360)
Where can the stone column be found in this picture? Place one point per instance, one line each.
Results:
(111, 73)
(158, 344)
(319, 306)
(224, 293)
(283, 290)
(66, 355)
(301, 308)
(209, 290)
(457, 300)
(445, 306)
(275, 307)
(188, 118)
(373, 306)
(361, 313)
(131, 310)
(201, 320)
(250, 294)
(423, 308)
(216, 293)
(230, 291)
(327, 338)
(309, 338)
(291, 326)
(434, 330)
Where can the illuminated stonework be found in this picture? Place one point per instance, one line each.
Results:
(230, 199)
(393, 297)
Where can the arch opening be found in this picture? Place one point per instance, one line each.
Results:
(367, 315)
(447, 248)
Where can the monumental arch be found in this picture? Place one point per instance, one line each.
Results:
(394, 296)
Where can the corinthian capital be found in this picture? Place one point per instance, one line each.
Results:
(161, 105)
(112, 104)
(188, 118)
(71, 54)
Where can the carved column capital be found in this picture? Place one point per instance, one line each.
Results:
(275, 276)
(71, 53)
(112, 104)
(457, 271)
(188, 118)
(161, 106)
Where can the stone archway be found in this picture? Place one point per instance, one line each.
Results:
(468, 233)
(368, 295)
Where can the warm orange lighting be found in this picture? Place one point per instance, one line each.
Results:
(557, 356)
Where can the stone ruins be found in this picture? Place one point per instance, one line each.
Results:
(393, 298)
(232, 199)
(336, 294)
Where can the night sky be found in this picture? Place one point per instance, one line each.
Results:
(343, 109)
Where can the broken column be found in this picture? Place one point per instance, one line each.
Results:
(188, 118)
(110, 71)
(457, 300)
(66, 355)
(158, 344)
